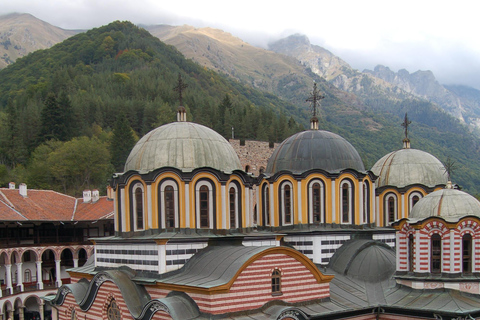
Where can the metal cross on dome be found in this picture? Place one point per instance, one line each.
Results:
(405, 124)
(314, 98)
(449, 168)
(180, 87)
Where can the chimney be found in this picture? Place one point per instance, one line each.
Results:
(109, 193)
(87, 196)
(95, 195)
(23, 189)
(11, 185)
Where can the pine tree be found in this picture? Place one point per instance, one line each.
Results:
(122, 143)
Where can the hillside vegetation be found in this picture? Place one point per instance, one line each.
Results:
(85, 85)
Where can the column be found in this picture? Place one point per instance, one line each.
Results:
(8, 271)
(19, 276)
(299, 202)
(187, 205)
(58, 281)
(334, 209)
(21, 314)
(75, 263)
(149, 208)
(39, 275)
(40, 310)
(224, 207)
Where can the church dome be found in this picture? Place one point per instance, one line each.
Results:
(409, 166)
(183, 145)
(368, 260)
(314, 149)
(449, 204)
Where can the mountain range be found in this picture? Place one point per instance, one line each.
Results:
(364, 107)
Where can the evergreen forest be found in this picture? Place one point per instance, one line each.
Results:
(71, 114)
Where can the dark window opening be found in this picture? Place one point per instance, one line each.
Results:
(436, 254)
(467, 253)
(276, 282)
(316, 203)
(169, 207)
(204, 207)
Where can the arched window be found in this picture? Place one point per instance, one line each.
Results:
(286, 203)
(266, 205)
(390, 208)
(316, 206)
(411, 252)
(138, 207)
(168, 215)
(436, 254)
(234, 206)
(169, 207)
(346, 195)
(366, 202)
(467, 253)
(276, 282)
(113, 311)
(205, 205)
(414, 197)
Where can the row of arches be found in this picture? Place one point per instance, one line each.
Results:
(392, 208)
(35, 268)
(351, 202)
(171, 203)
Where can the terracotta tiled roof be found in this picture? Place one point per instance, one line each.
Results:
(48, 205)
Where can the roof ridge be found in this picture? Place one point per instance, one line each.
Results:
(6, 199)
(14, 210)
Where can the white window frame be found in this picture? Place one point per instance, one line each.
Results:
(134, 207)
(350, 201)
(167, 183)
(310, 200)
(395, 206)
(198, 185)
(234, 186)
(282, 202)
(410, 200)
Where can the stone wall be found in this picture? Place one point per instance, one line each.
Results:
(253, 155)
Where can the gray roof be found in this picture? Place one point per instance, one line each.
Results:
(314, 149)
(369, 260)
(450, 204)
(183, 145)
(409, 166)
(213, 266)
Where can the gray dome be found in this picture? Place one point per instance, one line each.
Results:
(450, 204)
(368, 260)
(314, 149)
(183, 145)
(409, 166)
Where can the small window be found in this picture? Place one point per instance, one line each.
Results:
(204, 207)
(436, 254)
(287, 204)
(169, 207)
(316, 203)
(232, 207)
(467, 253)
(113, 312)
(266, 206)
(411, 266)
(276, 282)
(138, 208)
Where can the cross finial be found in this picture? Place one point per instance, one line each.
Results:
(449, 168)
(180, 87)
(405, 124)
(314, 98)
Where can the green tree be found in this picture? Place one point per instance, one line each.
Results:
(122, 142)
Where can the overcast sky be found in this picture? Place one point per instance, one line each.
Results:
(441, 36)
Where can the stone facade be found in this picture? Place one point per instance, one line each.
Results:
(253, 155)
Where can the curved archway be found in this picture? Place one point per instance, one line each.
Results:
(48, 268)
(82, 256)
(32, 307)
